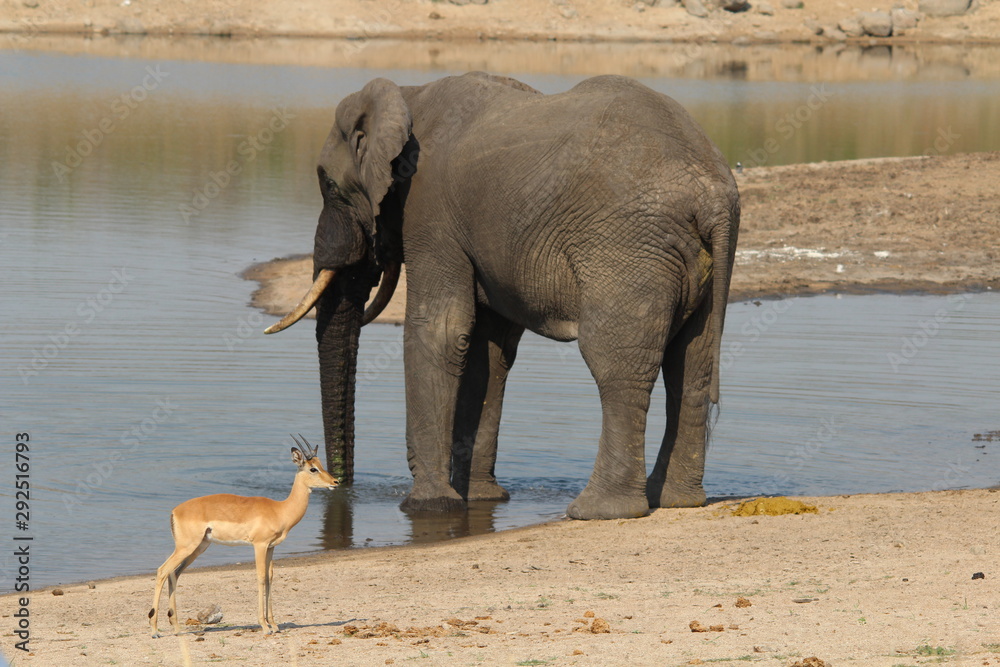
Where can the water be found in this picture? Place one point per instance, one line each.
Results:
(128, 352)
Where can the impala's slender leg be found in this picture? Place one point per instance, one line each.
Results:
(270, 582)
(260, 554)
(171, 569)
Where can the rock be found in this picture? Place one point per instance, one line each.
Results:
(978, 575)
(792, 4)
(876, 24)
(903, 19)
(696, 8)
(131, 26)
(30, 4)
(945, 7)
(435, 16)
(568, 12)
(58, 591)
(851, 27)
(743, 602)
(91, 585)
(765, 9)
(210, 615)
(735, 5)
(833, 32)
(813, 26)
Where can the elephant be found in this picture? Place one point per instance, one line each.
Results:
(602, 214)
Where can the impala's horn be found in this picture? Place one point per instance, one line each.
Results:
(310, 451)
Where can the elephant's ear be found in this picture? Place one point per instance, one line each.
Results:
(378, 124)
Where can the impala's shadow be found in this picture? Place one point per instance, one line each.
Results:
(256, 628)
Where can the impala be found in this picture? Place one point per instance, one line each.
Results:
(229, 519)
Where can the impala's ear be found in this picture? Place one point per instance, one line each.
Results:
(377, 124)
(297, 457)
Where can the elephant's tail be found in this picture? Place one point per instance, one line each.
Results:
(722, 237)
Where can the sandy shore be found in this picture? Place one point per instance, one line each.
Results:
(866, 580)
(922, 224)
(575, 20)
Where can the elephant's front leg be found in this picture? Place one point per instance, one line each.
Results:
(480, 402)
(439, 321)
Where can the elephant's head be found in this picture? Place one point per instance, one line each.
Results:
(357, 239)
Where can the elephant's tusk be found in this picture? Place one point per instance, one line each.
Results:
(324, 278)
(386, 288)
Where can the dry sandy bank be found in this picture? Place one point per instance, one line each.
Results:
(586, 20)
(869, 580)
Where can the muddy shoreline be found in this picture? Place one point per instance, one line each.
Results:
(924, 225)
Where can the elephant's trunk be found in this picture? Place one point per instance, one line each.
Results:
(339, 314)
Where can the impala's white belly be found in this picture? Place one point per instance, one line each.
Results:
(219, 535)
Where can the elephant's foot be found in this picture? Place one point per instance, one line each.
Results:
(433, 498)
(675, 495)
(591, 504)
(487, 490)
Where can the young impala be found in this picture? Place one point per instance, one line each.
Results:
(229, 519)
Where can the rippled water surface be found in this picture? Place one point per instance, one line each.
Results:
(128, 352)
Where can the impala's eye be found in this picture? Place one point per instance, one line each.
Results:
(314, 470)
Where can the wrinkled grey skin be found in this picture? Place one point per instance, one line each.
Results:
(602, 214)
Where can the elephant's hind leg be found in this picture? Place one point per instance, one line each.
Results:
(623, 353)
(676, 480)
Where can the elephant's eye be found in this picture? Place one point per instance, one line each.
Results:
(359, 143)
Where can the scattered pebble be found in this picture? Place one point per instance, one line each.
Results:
(978, 575)
(743, 602)
(210, 615)
(58, 591)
